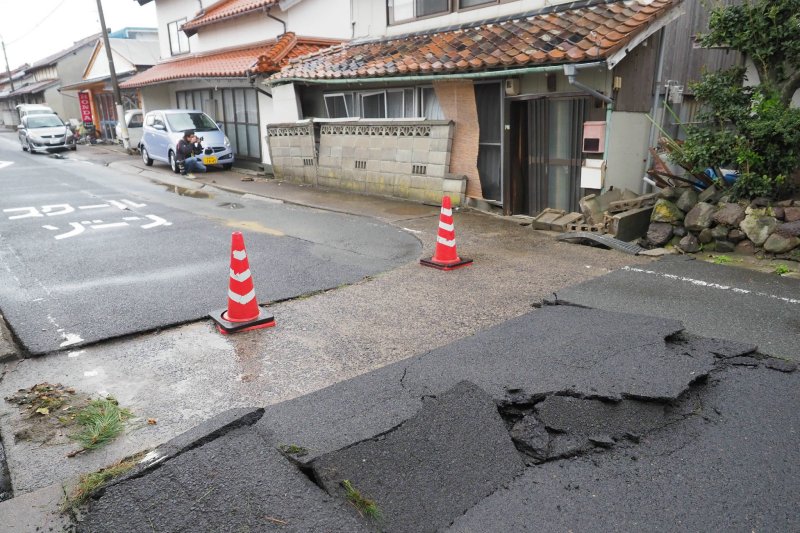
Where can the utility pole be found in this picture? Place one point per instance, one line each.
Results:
(8, 70)
(114, 84)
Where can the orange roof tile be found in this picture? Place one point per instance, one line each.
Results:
(265, 57)
(577, 32)
(224, 10)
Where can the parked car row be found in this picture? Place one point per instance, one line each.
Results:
(155, 134)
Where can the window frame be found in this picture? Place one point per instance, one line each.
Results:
(349, 113)
(172, 48)
(392, 22)
(411, 94)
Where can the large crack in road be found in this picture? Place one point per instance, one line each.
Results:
(627, 424)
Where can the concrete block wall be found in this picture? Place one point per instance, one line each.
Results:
(402, 159)
(292, 149)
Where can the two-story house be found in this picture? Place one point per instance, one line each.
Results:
(213, 51)
(522, 104)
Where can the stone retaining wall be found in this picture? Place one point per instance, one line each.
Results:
(710, 221)
(402, 159)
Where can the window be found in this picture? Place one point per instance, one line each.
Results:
(385, 103)
(429, 104)
(339, 105)
(465, 4)
(404, 10)
(178, 41)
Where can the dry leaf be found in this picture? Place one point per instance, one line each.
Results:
(152, 421)
(43, 411)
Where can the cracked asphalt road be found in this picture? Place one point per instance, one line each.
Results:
(716, 452)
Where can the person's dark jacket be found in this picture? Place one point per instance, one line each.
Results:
(186, 149)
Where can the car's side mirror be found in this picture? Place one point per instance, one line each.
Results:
(219, 125)
(159, 127)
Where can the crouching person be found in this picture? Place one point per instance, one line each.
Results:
(187, 152)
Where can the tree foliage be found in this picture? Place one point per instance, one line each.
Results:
(752, 127)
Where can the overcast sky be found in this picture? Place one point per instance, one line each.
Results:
(34, 29)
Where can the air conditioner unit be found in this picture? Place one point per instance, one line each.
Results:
(512, 87)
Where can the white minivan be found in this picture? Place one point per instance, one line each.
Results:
(24, 110)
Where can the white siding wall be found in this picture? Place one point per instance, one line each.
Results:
(286, 108)
(156, 97)
(266, 112)
(100, 65)
(370, 16)
(250, 28)
(171, 10)
(320, 18)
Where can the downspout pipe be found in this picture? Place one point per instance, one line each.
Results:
(571, 73)
(273, 17)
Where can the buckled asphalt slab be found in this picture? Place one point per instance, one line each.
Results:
(440, 457)
(710, 300)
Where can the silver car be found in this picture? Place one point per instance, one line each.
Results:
(164, 128)
(44, 133)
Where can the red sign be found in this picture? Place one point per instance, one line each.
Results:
(86, 107)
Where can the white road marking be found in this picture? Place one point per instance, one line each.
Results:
(70, 339)
(4, 164)
(712, 285)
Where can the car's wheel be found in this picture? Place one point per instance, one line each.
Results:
(227, 166)
(146, 159)
(73, 147)
(30, 148)
(172, 163)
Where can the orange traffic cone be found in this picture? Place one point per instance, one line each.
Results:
(243, 312)
(446, 257)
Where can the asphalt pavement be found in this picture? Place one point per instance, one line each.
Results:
(89, 253)
(621, 421)
(434, 443)
(709, 299)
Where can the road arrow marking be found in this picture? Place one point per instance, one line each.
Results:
(4, 164)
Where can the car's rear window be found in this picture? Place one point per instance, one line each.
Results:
(190, 121)
(44, 121)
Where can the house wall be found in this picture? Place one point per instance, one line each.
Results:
(251, 28)
(310, 18)
(627, 150)
(170, 10)
(157, 97)
(285, 104)
(46, 73)
(266, 115)
(407, 159)
(70, 70)
(457, 100)
(100, 66)
(371, 16)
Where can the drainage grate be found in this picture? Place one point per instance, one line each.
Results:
(308, 162)
(419, 169)
(605, 240)
(361, 164)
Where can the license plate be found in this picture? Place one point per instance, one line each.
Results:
(210, 160)
(54, 141)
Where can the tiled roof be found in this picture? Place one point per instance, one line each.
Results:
(34, 88)
(568, 33)
(223, 10)
(264, 57)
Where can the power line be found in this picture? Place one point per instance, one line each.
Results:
(38, 23)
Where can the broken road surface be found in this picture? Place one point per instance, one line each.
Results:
(563, 418)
